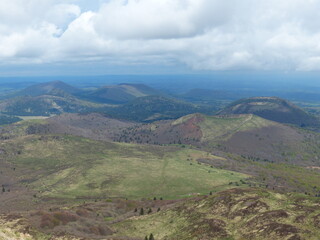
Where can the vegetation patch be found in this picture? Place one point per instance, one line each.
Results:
(232, 214)
(67, 166)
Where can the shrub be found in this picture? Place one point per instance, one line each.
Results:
(141, 211)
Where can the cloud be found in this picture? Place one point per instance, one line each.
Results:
(201, 34)
(166, 19)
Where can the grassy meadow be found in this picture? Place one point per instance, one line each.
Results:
(67, 166)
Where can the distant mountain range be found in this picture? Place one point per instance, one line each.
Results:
(135, 102)
(138, 102)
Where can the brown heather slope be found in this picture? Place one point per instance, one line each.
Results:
(93, 125)
(251, 214)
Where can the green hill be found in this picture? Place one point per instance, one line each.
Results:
(55, 88)
(272, 108)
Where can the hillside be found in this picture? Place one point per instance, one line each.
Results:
(73, 167)
(152, 108)
(92, 125)
(234, 214)
(246, 135)
(7, 119)
(253, 214)
(272, 108)
(118, 94)
(57, 184)
(278, 155)
(55, 88)
(241, 134)
(44, 105)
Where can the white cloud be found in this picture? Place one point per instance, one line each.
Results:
(149, 19)
(203, 34)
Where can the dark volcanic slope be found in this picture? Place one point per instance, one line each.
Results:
(271, 108)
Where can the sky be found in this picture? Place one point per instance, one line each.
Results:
(79, 37)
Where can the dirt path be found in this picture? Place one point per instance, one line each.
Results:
(236, 128)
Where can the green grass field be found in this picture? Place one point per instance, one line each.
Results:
(66, 166)
(217, 127)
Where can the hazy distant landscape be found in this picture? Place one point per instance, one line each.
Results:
(159, 120)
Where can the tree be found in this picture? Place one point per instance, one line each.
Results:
(141, 211)
(151, 237)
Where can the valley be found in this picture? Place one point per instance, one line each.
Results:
(127, 161)
(159, 120)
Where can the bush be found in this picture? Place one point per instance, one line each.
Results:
(141, 211)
